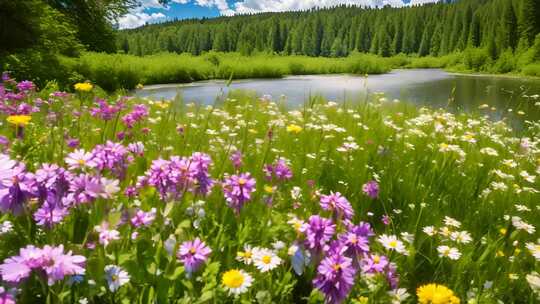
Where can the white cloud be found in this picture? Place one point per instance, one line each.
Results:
(252, 6)
(138, 19)
(138, 16)
(257, 6)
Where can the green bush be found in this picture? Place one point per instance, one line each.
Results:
(532, 70)
(506, 62)
(475, 59)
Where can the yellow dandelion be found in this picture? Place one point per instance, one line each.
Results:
(292, 128)
(436, 294)
(83, 87)
(19, 120)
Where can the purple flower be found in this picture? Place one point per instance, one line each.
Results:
(200, 163)
(85, 188)
(319, 231)
(104, 110)
(111, 156)
(335, 278)
(392, 276)
(73, 143)
(6, 297)
(138, 113)
(385, 219)
(136, 148)
(338, 204)
(193, 254)
(170, 178)
(280, 170)
(374, 263)
(238, 190)
(371, 189)
(4, 143)
(142, 218)
(51, 260)
(106, 235)
(16, 185)
(26, 86)
(50, 214)
(236, 159)
(356, 239)
(57, 264)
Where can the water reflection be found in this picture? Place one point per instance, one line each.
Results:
(431, 87)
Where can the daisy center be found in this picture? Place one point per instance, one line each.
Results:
(266, 259)
(376, 259)
(392, 244)
(242, 181)
(233, 279)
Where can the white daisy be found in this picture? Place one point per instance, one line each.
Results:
(391, 242)
(6, 227)
(430, 230)
(245, 256)
(236, 281)
(116, 277)
(519, 224)
(449, 252)
(398, 295)
(265, 259)
(451, 222)
(534, 249)
(462, 237)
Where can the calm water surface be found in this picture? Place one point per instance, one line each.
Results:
(430, 87)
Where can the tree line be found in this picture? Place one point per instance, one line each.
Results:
(431, 29)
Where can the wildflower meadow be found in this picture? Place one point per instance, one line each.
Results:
(118, 199)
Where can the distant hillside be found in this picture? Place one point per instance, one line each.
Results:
(431, 29)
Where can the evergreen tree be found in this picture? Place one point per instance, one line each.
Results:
(508, 33)
(529, 21)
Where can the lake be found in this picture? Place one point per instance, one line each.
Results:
(430, 87)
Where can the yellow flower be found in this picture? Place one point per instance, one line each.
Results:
(294, 128)
(269, 189)
(83, 87)
(163, 105)
(502, 231)
(19, 120)
(436, 294)
(362, 300)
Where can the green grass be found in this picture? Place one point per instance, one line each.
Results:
(115, 71)
(429, 163)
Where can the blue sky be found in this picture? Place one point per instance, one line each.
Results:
(150, 11)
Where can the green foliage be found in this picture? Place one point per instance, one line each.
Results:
(116, 71)
(532, 69)
(432, 29)
(506, 62)
(475, 59)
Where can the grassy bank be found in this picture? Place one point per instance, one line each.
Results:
(116, 71)
(120, 71)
